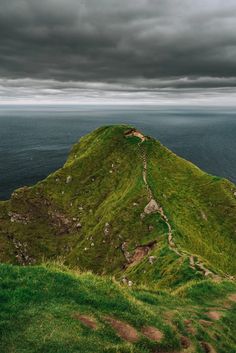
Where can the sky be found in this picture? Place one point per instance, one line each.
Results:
(118, 52)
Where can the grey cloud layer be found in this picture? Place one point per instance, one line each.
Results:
(138, 44)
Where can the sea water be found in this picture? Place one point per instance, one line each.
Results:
(35, 140)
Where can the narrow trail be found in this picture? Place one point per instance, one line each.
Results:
(154, 207)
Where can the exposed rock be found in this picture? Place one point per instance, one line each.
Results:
(60, 221)
(107, 229)
(130, 283)
(151, 259)
(203, 215)
(136, 133)
(142, 216)
(152, 207)
(68, 179)
(191, 262)
(126, 253)
(19, 218)
(139, 253)
(124, 280)
(22, 255)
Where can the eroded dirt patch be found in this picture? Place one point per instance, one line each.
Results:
(232, 297)
(152, 333)
(207, 347)
(185, 342)
(205, 323)
(140, 252)
(124, 330)
(86, 320)
(189, 328)
(214, 315)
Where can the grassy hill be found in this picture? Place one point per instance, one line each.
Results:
(51, 309)
(157, 234)
(91, 212)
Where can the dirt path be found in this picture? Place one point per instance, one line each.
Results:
(154, 207)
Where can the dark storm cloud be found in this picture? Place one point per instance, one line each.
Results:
(132, 46)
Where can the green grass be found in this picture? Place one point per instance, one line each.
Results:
(38, 304)
(201, 208)
(106, 186)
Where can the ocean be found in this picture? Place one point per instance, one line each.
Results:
(35, 140)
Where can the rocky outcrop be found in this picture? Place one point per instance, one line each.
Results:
(21, 252)
(135, 133)
(152, 207)
(19, 218)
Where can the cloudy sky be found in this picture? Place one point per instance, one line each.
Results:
(118, 51)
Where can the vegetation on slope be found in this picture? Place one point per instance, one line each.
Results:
(91, 213)
(124, 206)
(51, 309)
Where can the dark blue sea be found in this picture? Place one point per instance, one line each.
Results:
(35, 140)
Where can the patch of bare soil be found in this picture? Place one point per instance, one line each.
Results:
(207, 347)
(86, 320)
(189, 328)
(185, 342)
(140, 252)
(232, 297)
(214, 315)
(124, 330)
(205, 323)
(152, 333)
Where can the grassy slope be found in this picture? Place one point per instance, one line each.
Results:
(37, 304)
(38, 307)
(201, 207)
(107, 186)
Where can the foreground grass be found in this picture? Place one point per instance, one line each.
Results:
(38, 307)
